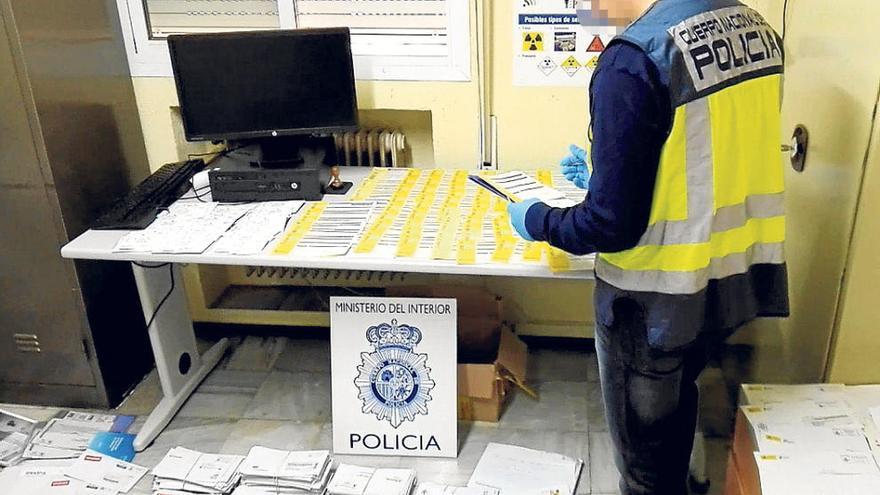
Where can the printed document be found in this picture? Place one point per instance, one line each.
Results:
(517, 186)
(520, 471)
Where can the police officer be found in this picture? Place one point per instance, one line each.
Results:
(685, 211)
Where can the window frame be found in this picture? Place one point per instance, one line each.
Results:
(149, 57)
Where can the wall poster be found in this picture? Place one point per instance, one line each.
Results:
(550, 47)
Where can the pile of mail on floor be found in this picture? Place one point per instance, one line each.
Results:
(69, 434)
(190, 471)
(806, 439)
(520, 471)
(358, 480)
(283, 472)
(79, 454)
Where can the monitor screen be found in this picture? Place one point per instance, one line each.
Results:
(266, 83)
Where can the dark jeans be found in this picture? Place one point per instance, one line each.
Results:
(651, 403)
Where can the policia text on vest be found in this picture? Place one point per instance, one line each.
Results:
(726, 43)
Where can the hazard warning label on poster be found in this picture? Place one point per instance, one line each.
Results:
(533, 41)
(597, 45)
(552, 48)
(571, 66)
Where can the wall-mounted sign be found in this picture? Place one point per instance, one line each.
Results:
(394, 375)
(552, 48)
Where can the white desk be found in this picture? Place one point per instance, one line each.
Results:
(178, 362)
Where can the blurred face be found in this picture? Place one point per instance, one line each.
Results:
(618, 12)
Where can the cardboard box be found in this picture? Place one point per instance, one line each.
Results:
(480, 316)
(483, 388)
(492, 359)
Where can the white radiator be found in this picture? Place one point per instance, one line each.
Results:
(372, 148)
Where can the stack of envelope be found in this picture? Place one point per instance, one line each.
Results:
(69, 435)
(283, 472)
(183, 472)
(358, 480)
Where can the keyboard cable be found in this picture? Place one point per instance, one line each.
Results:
(167, 295)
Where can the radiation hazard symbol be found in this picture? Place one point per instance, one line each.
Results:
(592, 63)
(547, 66)
(533, 42)
(571, 66)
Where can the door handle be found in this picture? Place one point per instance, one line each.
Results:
(800, 140)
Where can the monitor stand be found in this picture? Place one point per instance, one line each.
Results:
(286, 152)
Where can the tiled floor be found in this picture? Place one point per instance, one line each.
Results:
(275, 392)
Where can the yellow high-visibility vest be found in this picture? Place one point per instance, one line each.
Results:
(717, 208)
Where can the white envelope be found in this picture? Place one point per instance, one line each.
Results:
(390, 482)
(105, 471)
(350, 480)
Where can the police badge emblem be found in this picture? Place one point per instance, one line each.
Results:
(393, 381)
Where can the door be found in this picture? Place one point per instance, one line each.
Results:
(856, 342)
(41, 322)
(831, 81)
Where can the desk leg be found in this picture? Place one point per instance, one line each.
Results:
(178, 362)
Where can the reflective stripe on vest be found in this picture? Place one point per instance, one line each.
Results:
(718, 199)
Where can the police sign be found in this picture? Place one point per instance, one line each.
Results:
(725, 44)
(394, 376)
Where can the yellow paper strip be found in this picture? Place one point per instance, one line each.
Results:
(299, 228)
(445, 243)
(533, 251)
(544, 177)
(366, 188)
(412, 229)
(385, 219)
(558, 260)
(467, 252)
(504, 251)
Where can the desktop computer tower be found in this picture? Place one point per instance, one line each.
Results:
(250, 174)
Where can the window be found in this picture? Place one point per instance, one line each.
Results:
(166, 17)
(391, 39)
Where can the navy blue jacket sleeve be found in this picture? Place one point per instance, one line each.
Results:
(631, 118)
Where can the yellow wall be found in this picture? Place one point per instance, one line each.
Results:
(454, 141)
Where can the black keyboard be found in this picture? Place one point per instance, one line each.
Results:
(137, 209)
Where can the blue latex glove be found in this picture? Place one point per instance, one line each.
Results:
(574, 167)
(518, 217)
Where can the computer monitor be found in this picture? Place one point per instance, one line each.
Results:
(251, 85)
